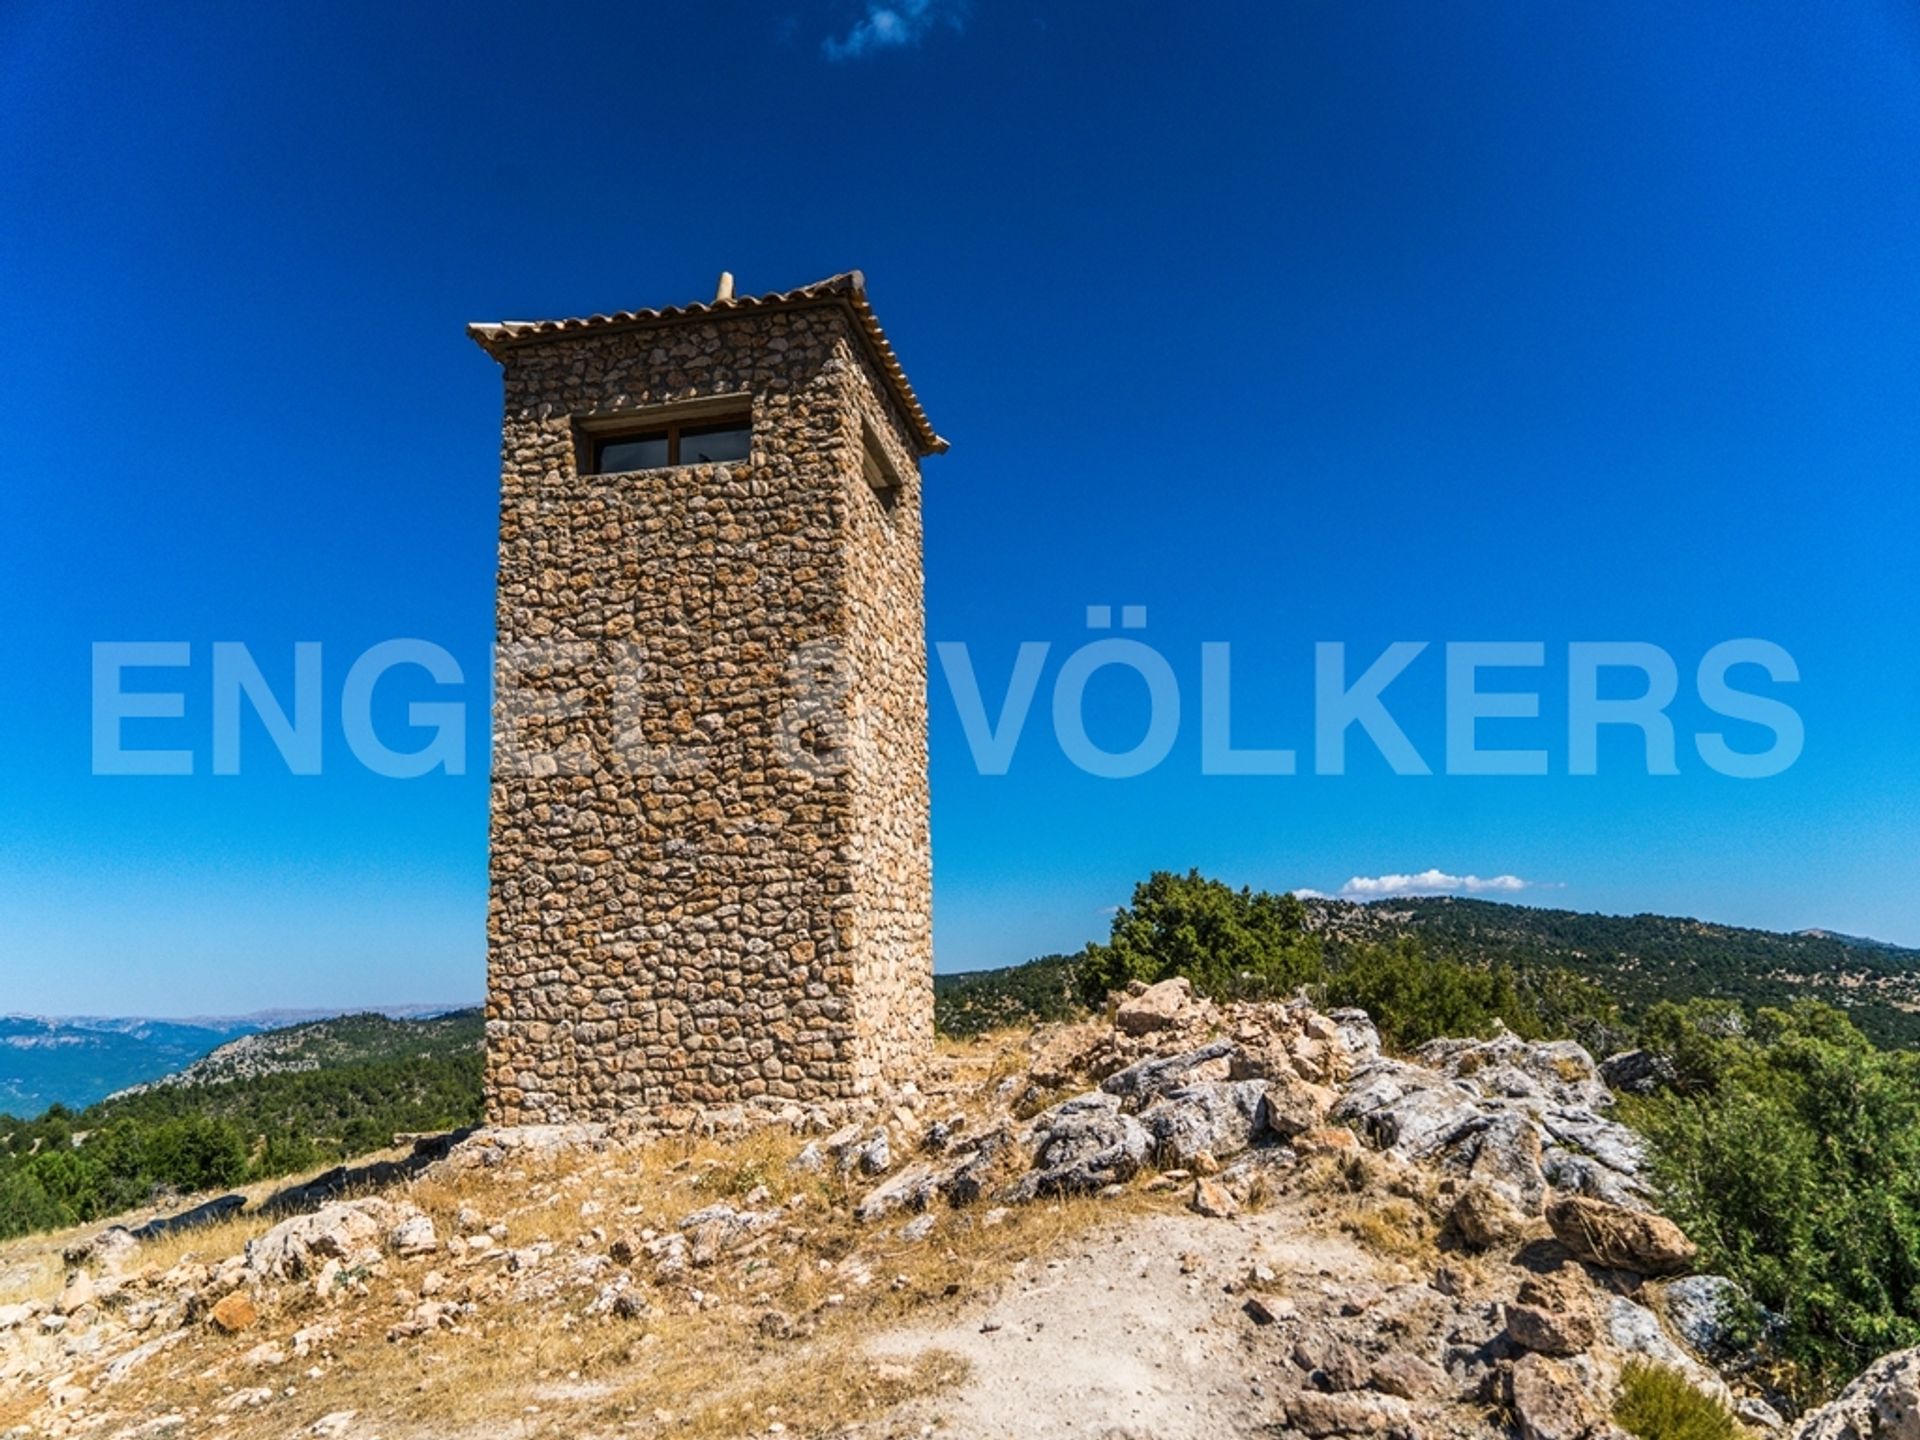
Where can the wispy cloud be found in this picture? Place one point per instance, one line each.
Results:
(1433, 882)
(894, 26)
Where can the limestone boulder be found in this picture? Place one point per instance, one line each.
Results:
(1483, 1217)
(1553, 1314)
(1218, 1118)
(1139, 1084)
(296, 1249)
(1549, 1402)
(1619, 1239)
(1165, 1006)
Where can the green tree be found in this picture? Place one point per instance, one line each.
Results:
(1415, 996)
(1229, 943)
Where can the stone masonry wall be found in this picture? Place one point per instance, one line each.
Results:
(709, 863)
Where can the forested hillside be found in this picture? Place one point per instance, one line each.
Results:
(375, 1077)
(1637, 960)
(327, 1044)
(1644, 958)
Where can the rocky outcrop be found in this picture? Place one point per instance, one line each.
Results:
(1519, 1116)
(1521, 1318)
(296, 1249)
(1082, 1146)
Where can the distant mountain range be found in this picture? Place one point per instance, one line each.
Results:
(369, 1038)
(76, 1060)
(260, 1106)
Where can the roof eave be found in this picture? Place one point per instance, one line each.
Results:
(847, 291)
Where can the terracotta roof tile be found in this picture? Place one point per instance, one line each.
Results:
(849, 289)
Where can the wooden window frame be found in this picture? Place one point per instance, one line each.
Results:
(591, 433)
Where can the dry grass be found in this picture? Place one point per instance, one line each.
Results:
(1394, 1229)
(1390, 1209)
(700, 1363)
(31, 1267)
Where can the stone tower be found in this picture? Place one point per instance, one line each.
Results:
(710, 864)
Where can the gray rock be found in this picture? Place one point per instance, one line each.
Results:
(1637, 1330)
(1219, 1118)
(296, 1248)
(1637, 1072)
(1882, 1404)
(1699, 1307)
(972, 1173)
(912, 1188)
(1407, 1110)
(1613, 1145)
(1758, 1413)
(1083, 1145)
(1576, 1174)
(1358, 1034)
(1140, 1083)
(1505, 1154)
(413, 1236)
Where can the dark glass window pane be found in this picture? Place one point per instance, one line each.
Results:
(714, 444)
(632, 452)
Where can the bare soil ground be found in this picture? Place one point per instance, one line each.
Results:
(1134, 1330)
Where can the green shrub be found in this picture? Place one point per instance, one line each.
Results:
(1659, 1403)
(1415, 996)
(1791, 1153)
(1230, 943)
(1241, 944)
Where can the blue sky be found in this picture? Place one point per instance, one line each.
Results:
(1290, 322)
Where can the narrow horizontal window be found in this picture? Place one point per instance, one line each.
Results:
(704, 442)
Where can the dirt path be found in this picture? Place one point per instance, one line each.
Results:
(1134, 1333)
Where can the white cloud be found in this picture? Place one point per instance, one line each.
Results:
(1433, 882)
(894, 25)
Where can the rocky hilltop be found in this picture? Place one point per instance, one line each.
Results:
(328, 1041)
(1182, 1220)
